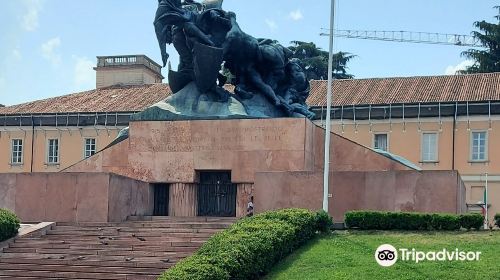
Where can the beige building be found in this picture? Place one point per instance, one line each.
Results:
(438, 123)
(52, 134)
(127, 70)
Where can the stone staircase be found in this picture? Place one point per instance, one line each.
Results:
(141, 248)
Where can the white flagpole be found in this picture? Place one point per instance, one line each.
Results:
(486, 203)
(328, 113)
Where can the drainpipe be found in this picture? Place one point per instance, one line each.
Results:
(486, 203)
(454, 135)
(326, 168)
(32, 141)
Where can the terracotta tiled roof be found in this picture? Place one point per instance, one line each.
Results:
(453, 88)
(110, 99)
(476, 87)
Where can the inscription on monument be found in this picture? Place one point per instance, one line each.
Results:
(238, 138)
(173, 139)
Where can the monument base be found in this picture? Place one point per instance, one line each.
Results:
(215, 167)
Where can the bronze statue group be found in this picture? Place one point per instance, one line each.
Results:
(208, 38)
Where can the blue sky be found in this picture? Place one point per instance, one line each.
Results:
(48, 47)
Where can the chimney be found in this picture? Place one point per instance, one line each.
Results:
(126, 70)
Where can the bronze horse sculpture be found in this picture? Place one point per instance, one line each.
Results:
(207, 37)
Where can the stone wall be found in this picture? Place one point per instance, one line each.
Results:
(172, 152)
(183, 200)
(426, 191)
(74, 197)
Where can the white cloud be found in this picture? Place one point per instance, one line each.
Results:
(49, 51)
(452, 69)
(296, 15)
(84, 74)
(16, 54)
(271, 24)
(30, 18)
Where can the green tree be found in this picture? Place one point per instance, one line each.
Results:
(314, 60)
(229, 76)
(488, 59)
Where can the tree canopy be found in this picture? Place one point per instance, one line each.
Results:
(315, 61)
(488, 59)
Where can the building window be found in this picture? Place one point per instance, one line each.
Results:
(429, 147)
(53, 151)
(477, 194)
(380, 142)
(90, 147)
(17, 151)
(479, 142)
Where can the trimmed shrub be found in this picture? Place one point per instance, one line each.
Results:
(353, 219)
(445, 222)
(199, 268)
(405, 221)
(471, 221)
(374, 220)
(324, 221)
(9, 224)
(497, 219)
(250, 247)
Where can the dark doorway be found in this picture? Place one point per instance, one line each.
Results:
(216, 194)
(161, 198)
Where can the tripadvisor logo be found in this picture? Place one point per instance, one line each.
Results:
(387, 255)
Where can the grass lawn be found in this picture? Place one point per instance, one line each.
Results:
(350, 255)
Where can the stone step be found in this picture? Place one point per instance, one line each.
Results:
(152, 224)
(60, 275)
(86, 269)
(186, 226)
(135, 229)
(104, 252)
(97, 248)
(27, 247)
(137, 239)
(129, 277)
(176, 230)
(129, 250)
(158, 256)
(143, 224)
(151, 246)
(131, 263)
(182, 219)
(75, 258)
(111, 243)
(18, 278)
(129, 233)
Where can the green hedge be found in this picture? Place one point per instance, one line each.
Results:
(324, 221)
(9, 224)
(497, 219)
(374, 220)
(471, 221)
(250, 247)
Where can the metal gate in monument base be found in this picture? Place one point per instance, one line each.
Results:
(161, 199)
(216, 194)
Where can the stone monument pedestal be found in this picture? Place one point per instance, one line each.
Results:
(215, 167)
(248, 155)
